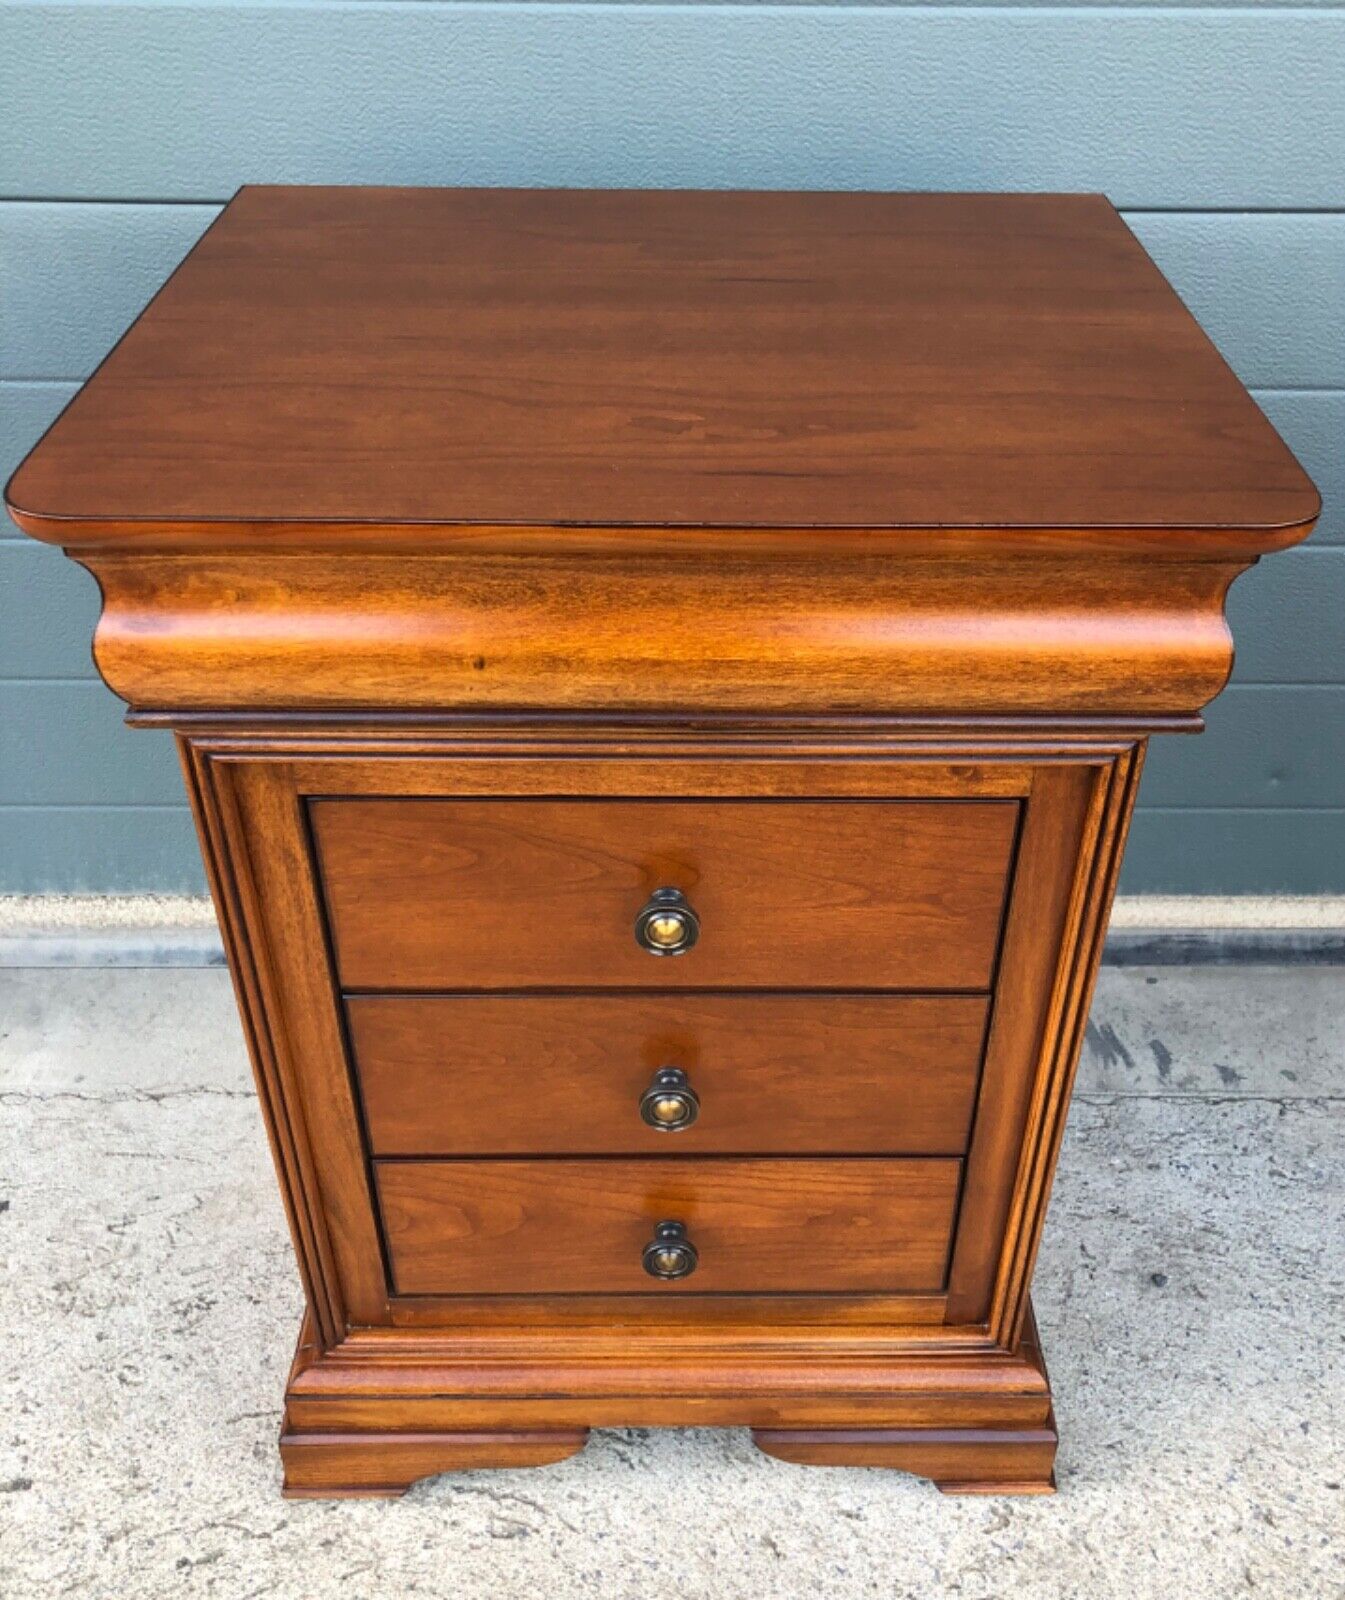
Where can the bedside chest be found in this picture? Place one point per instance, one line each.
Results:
(662, 681)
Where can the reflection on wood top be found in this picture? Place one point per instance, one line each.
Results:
(549, 360)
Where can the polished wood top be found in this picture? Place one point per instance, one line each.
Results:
(332, 365)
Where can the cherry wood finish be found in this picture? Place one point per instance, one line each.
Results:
(432, 894)
(751, 631)
(976, 1422)
(399, 357)
(258, 797)
(498, 558)
(960, 1460)
(556, 1074)
(576, 1226)
(1009, 1457)
(382, 1466)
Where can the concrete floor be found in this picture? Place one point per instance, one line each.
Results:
(1191, 1295)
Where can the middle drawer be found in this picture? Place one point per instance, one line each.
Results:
(586, 1075)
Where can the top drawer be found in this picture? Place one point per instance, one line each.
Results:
(815, 894)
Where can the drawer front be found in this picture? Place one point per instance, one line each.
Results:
(867, 1225)
(544, 1074)
(444, 894)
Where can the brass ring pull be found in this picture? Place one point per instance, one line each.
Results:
(670, 1254)
(666, 925)
(670, 1104)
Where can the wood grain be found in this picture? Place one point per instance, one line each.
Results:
(550, 358)
(992, 1455)
(339, 1466)
(1036, 948)
(488, 1075)
(1095, 889)
(499, 558)
(959, 1460)
(277, 920)
(797, 1225)
(296, 1162)
(863, 1362)
(747, 1372)
(443, 894)
(817, 632)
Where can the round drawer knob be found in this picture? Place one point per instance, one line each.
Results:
(670, 1254)
(670, 1103)
(667, 926)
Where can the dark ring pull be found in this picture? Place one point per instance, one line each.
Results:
(670, 1254)
(670, 1104)
(667, 926)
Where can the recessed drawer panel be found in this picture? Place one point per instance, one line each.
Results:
(668, 1074)
(447, 894)
(868, 1225)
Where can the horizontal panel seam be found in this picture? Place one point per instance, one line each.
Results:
(1238, 811)
(214, 202)
(1231, 211)
(1161, 8)
(94, 805)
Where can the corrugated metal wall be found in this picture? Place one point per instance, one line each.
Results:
(1219, 131)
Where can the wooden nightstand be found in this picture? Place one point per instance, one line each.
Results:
(662, 680)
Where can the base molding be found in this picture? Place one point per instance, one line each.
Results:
(959, 1460)
(385, 1465)
(381, 1410)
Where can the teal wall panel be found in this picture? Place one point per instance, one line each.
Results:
(48, 608)
(98, 850)
(72, 279)
(64, 744)
(1288, 619)
(1269, 289)
(1155, 106)
(1264, 745)
(1234, 852)
(1219, 129)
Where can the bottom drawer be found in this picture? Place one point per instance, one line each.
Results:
(846, 1225)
